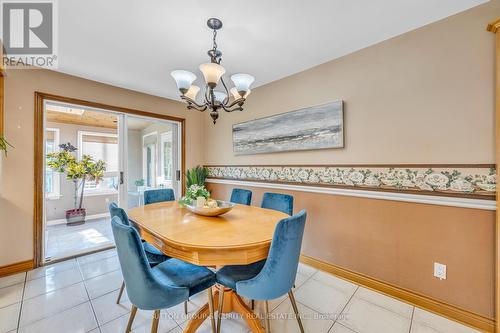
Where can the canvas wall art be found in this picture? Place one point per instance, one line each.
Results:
(316, 127)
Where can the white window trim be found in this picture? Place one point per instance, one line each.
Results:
(94, 192)
(144, 159)
(56, 194)
(166, 137)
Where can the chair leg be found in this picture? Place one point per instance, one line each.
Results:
(156, 321)
(131, 319)
(266, 311)
(219, 309)
(186, 307)
(121, 292)
(296, 310)
(211, 308)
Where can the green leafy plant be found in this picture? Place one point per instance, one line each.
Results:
(196, 176)
(139, 182)
(194, 191)
(79, 172)
(4, 145)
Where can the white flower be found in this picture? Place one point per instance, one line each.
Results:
(356, 177)
(303, 175)
(461, 185)
(237, 173)
(437, 180)
(313, 178)
(407, 183)
(372, 181)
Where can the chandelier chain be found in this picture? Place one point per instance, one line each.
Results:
(215, 42)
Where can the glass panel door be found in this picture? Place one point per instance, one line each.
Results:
(150, 159)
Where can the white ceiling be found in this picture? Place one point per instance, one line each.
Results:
(135, 44)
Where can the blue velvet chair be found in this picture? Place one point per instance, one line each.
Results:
(158, 195)
(153, 255)
(241, 196)
(278, 201)
(163, 286)
(273, 277)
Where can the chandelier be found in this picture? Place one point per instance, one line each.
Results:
(214, 98)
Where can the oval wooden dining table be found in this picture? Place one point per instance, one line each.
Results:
(240, 237)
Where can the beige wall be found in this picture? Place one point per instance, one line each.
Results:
(398, 243)
(16, 171)
(423, 97)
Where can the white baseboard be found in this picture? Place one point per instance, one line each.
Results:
(63, 221)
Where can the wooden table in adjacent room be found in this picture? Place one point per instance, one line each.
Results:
(239, 237)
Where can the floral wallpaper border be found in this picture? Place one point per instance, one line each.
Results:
(463, 181)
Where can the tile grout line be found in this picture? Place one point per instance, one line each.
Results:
(22, 302)
(343, 308)
(88, 295)
(297, 288)
(411, 319)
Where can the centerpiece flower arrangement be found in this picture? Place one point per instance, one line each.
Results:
(194, 192)
(79, 172)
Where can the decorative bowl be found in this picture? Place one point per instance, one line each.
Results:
(222, 208)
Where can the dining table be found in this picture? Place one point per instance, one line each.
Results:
(241, 236)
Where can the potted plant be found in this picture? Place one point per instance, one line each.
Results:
(79, 172)
(140, 185)
(196, 175)
(4, 144)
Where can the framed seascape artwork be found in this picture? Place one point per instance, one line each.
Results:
(316, 127)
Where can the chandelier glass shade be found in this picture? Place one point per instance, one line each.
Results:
(213, 72)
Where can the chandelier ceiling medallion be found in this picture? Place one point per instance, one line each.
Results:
(214, 99)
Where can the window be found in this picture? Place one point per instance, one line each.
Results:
(166, 158)
(52, 185)
(101, 146)
(149, 142)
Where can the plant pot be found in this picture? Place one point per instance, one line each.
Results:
(75, 216)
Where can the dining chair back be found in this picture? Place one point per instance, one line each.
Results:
(114, 210)
(166, 285)
(281, 264)
(143, 288)
(241, 196)
(278, 201)
(158, 195)
(272, 277)
(153, 255)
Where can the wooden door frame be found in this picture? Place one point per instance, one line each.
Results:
(40, 98)
(495, 28)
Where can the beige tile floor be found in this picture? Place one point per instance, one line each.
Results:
(78, 296)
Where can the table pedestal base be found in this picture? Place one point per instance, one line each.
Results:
(232, 303)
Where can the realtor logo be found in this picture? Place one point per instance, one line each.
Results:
(28, 34)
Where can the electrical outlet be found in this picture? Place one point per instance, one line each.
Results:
(440, 271)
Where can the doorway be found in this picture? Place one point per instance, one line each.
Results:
(139, 151)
